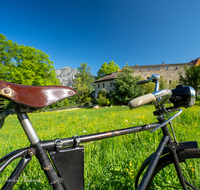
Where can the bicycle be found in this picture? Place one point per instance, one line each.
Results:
(64, 167)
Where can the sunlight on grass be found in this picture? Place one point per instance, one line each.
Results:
(110, 163)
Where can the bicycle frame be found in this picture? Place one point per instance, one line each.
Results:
(41, 149)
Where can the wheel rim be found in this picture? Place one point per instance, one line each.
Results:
(166, 176)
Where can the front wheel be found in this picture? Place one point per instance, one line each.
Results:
(165, 176)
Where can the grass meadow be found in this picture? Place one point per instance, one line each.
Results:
(109, 163)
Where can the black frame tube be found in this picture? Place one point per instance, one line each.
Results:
(49, 145)
(54, 180)
(172, 148)
(3, 159)
(153, 163)
(13, 155)
(16, 173)
(178, 168)
(108, 134)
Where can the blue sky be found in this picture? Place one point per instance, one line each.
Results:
(130, 31)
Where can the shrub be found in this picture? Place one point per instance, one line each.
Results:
(88, 100)
(62, 103)
(103, 101)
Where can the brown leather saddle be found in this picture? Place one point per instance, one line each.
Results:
(35, 96)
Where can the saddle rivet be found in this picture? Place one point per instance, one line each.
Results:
(6, 91)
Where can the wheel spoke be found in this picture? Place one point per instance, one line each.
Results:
(165, 176)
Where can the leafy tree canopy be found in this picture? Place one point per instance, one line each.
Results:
(83, 82)
(191, 77)
(126, 87)
(25, 65)
(107, 68)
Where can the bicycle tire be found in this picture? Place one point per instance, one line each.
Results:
(165, 176)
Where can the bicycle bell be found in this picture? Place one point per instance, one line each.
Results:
(155, 77)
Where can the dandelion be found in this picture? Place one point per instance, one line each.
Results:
(126, 120)
(84, 131)
(192, 169)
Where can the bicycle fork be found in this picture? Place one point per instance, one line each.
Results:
(166, 140)
(172, 148)
(183, 181)
(153, 163)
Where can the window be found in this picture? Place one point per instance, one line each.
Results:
(111, 84)
(148, 69)
(103, 85)
(98, 85)
(157, 68)
(139, 69)
(166, 68)
(170, 81)
(176, 68)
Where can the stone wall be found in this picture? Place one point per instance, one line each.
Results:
(168, 71)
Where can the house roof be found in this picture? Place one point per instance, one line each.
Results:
(111, 76)
(195, 61)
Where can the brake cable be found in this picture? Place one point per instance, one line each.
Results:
(167, 121)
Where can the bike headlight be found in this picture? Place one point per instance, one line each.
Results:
(183, 96)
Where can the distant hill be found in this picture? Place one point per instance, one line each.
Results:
(66, 75)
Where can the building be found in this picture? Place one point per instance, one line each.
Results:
(168, 71)
(106, 83)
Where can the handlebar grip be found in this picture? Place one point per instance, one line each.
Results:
(142, 82)
(142, 100)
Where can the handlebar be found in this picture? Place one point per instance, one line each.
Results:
(142, 100)
(148, 98)
(144, 81)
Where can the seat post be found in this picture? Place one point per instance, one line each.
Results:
(28, 128)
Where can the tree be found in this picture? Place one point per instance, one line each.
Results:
(148, 87)
(192, 77)
(126, 87)
(25, 65)
(162, 83)
(173, 84)
(83, 82)
(107, 68)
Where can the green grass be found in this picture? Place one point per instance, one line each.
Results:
(109, 163)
